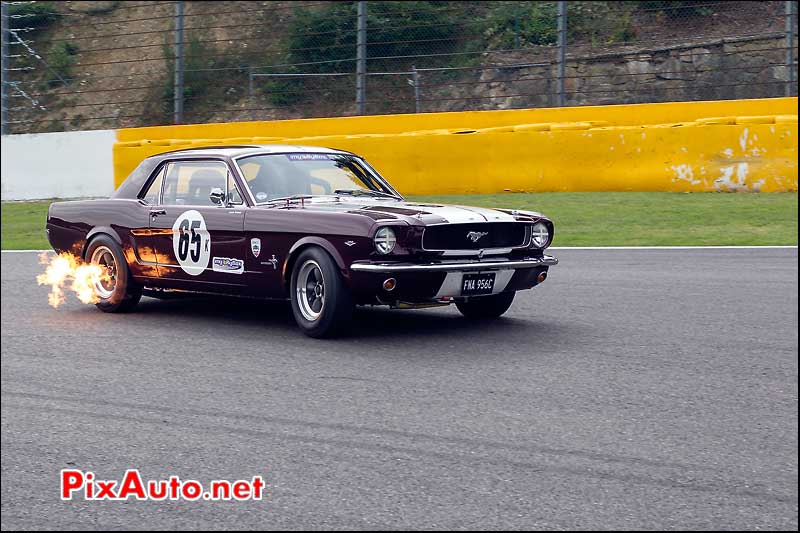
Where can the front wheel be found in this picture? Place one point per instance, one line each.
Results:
(486, 306)
(115, 289)
(321, 303)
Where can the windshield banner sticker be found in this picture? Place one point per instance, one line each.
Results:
(309, 157)
(228, 265)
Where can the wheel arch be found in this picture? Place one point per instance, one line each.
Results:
(304, 244)
(97, 231)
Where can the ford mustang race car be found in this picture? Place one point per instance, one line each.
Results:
(317, 226)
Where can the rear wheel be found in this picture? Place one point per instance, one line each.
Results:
(486, 306)
(321, 303)
(116, 292)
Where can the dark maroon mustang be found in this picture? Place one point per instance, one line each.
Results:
(317, 226)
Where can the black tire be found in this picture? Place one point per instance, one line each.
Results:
(123, 294)
(484, 307)
(320, 312)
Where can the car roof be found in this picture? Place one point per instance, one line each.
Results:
(131, 186)
(250, 149)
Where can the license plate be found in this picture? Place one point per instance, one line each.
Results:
(474, 284)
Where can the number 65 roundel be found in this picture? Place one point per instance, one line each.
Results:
(191, 242)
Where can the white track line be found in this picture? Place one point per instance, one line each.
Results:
(25, 251)
(579, 248)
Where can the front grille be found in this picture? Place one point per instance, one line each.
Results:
(457, 236)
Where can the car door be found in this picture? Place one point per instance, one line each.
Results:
(142, 242)
(199, 243)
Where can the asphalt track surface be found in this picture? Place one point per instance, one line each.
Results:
(633, 389)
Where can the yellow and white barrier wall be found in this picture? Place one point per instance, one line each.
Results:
(734, 145)
(742, 145)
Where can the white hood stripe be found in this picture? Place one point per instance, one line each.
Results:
(491, 215)
(461, 215)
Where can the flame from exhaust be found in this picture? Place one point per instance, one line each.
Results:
(65, 271)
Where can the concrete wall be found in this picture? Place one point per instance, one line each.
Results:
(718, 69)
(57, 165)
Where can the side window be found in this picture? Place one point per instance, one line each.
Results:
(190, 182)
(154, 191)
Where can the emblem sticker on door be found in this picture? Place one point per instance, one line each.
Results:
(255, 246)
(191, 242)
(229, 265)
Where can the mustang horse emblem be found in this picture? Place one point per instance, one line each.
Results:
(475, 236)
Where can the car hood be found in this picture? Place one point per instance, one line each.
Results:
(411, 212)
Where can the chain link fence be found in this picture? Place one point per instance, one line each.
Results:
(108, 64)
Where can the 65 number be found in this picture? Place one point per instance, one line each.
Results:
(185, 241)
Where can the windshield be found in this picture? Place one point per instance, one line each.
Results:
(274, 176)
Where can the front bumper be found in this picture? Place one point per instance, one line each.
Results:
(441, 280)
(455, 265)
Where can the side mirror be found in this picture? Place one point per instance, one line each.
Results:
(217, 196)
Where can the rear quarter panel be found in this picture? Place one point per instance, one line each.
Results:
(71, 224)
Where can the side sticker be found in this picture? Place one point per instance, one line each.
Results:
(191, 242)
(229, 265)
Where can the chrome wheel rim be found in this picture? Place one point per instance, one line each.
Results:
(310, 290)
(104, 285)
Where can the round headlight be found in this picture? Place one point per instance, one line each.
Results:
(539, 235)
(385, 240)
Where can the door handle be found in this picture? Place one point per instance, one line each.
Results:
(156, 212)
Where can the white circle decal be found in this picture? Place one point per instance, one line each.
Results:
(191, 242)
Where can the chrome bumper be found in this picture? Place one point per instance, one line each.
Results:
(454, 266)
